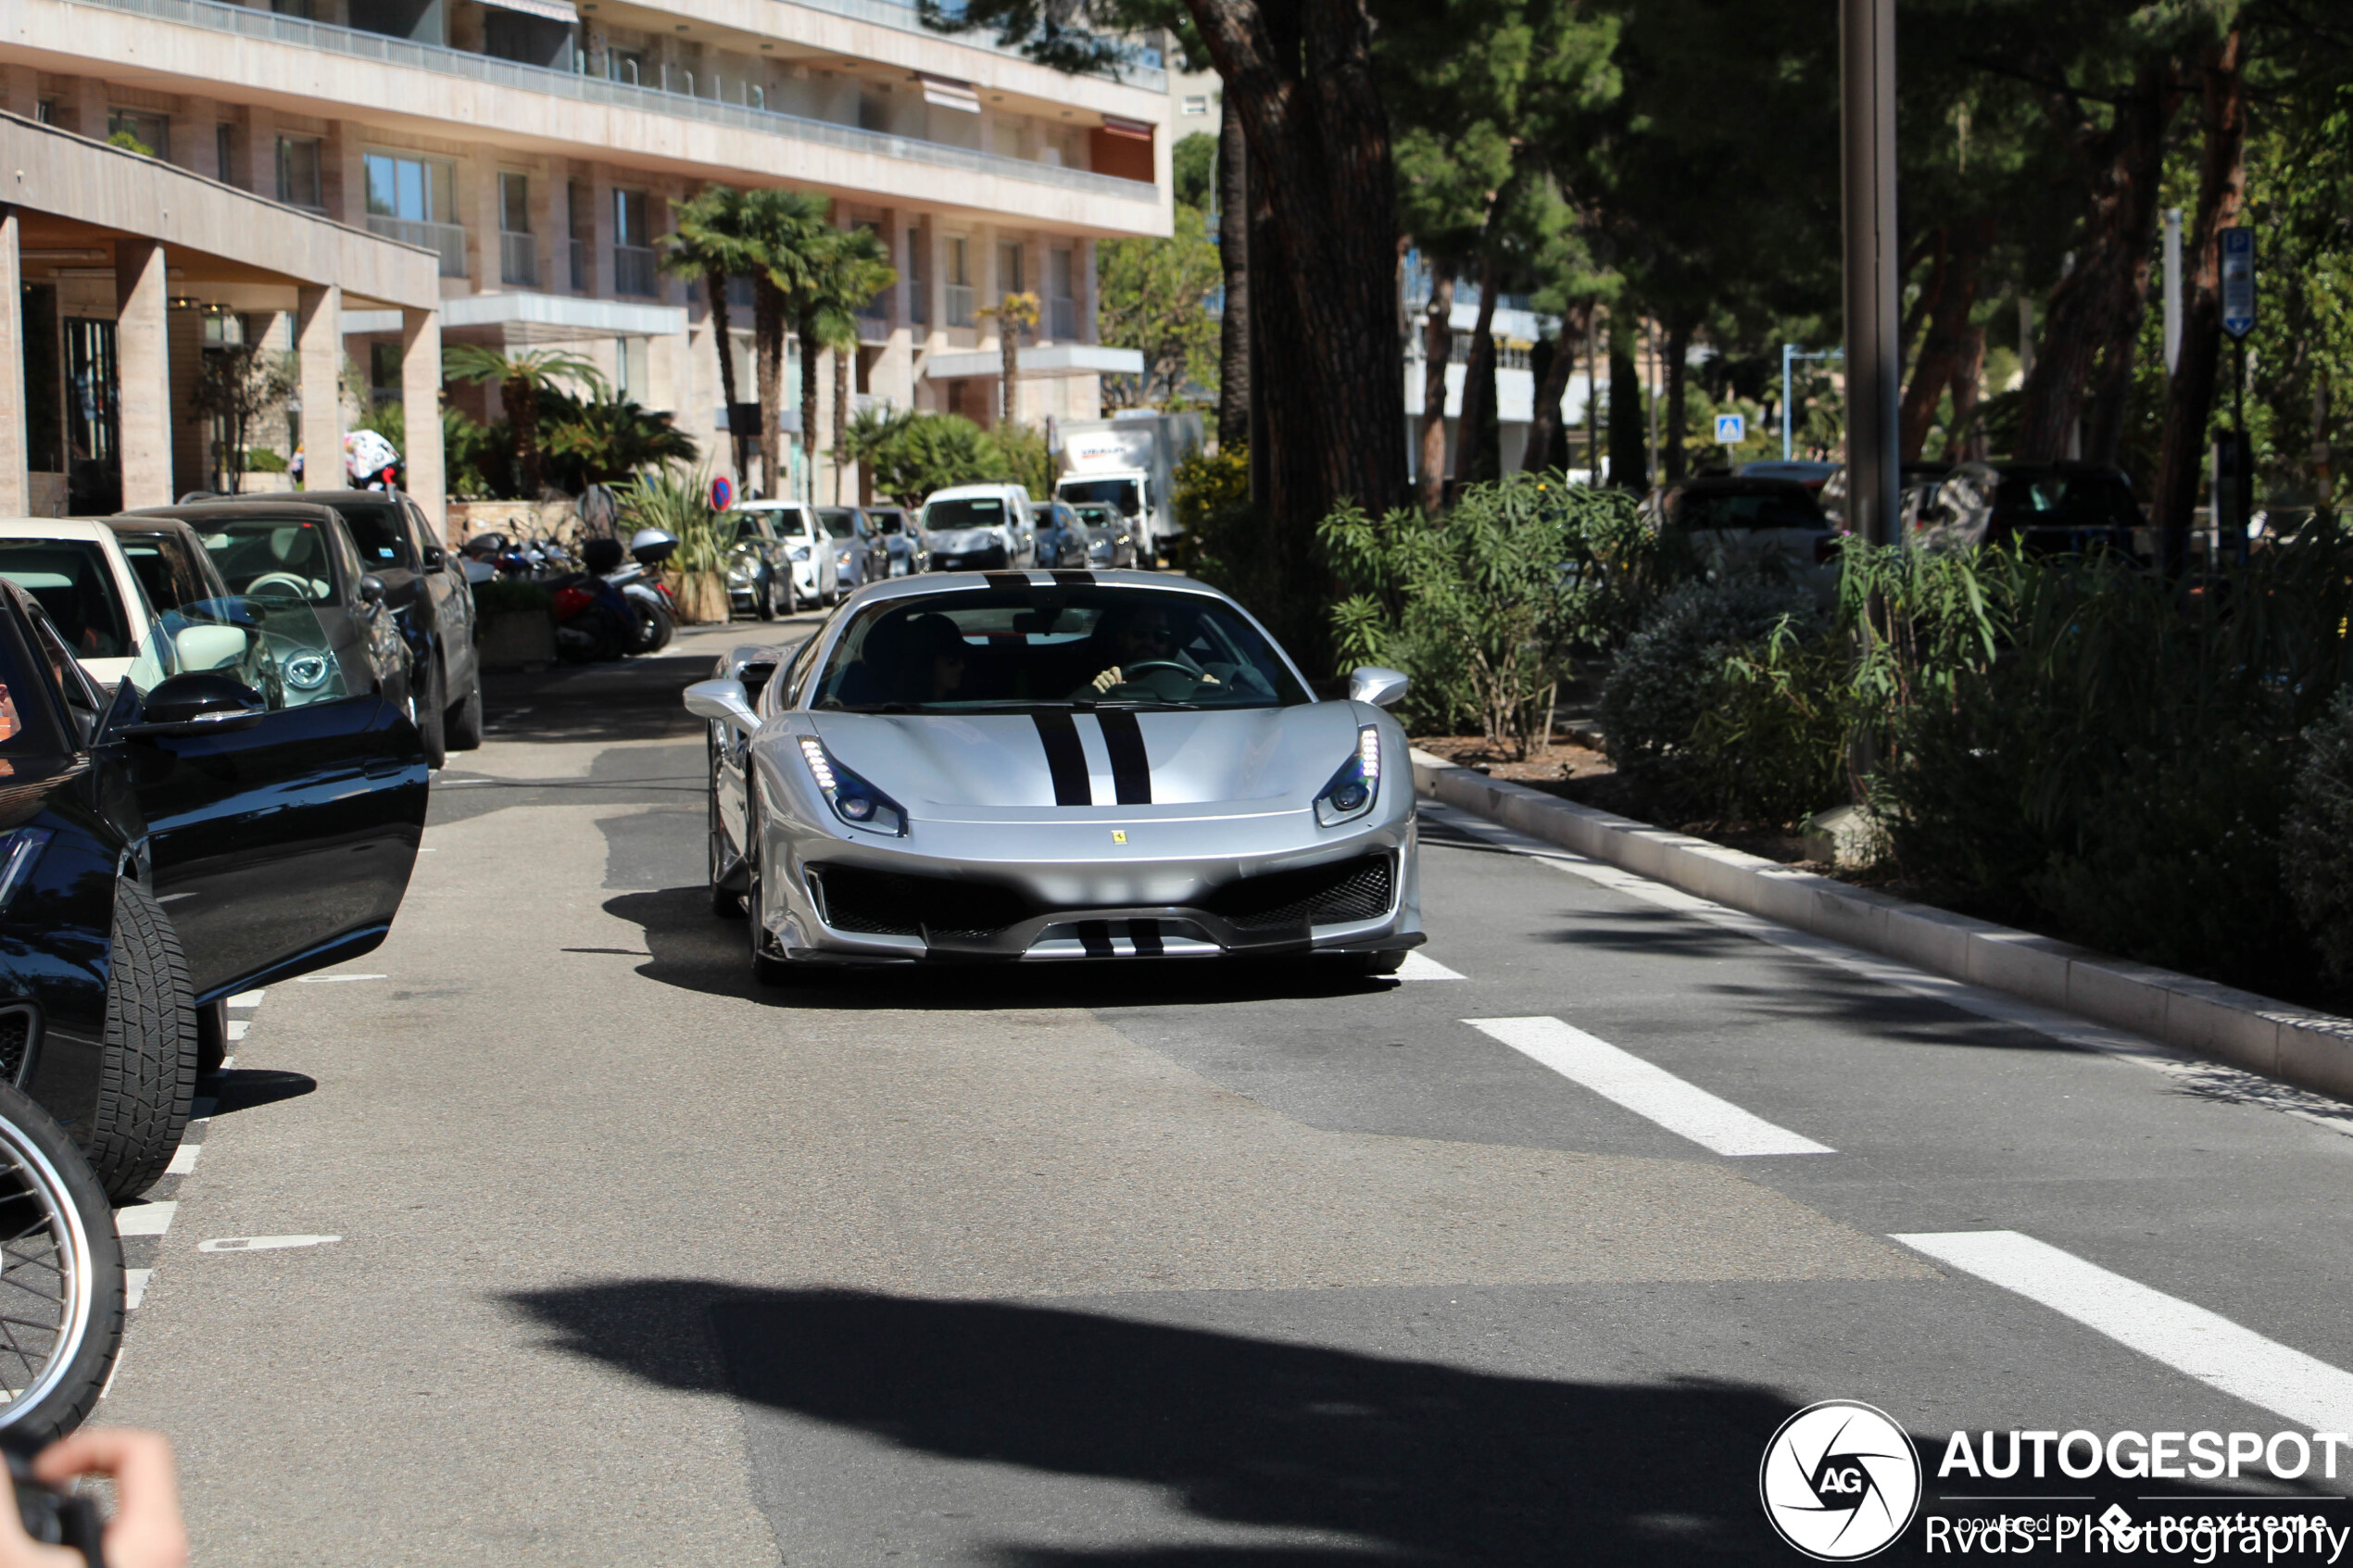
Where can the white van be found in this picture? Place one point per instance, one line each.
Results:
(980, 528)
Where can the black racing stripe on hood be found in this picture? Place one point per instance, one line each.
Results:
(1066, 758)
(1131, 771)
(1073, 579)
(1004, 580)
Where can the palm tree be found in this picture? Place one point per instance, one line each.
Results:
(710, 246)
(858, 275)
(1013, 313)
(784, 232)
(521, 378)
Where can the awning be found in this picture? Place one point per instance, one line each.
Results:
(552, 10)
(1141, 130)
(1042, 361)
(949, 94)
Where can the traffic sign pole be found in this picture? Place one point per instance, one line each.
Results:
(2238, 248)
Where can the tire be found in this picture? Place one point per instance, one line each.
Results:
(147, 1068)
(790, 605)
(212, 1037)
(726, 905)
(763, 598)
(767, 967)
(463, 726)
(430, 716)
(63, 1277)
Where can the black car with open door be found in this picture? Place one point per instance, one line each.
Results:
(234, 815)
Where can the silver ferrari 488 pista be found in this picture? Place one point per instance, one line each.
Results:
(1032, 765)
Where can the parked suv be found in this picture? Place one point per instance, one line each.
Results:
(426, 593)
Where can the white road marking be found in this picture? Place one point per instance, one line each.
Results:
(332, 979)
(2212, 1079)
(1421, 966)
(174, 897)
(183, 1160)
(1647, 1090)
(134, 1290)
(237, 1027)
(248, 998)
(453, 784)
(148, 1218)
(2188, 1338)
(262, 1243)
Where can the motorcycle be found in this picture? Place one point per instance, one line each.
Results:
(592, 622)
(653, 614)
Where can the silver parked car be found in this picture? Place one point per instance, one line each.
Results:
(1017, 766)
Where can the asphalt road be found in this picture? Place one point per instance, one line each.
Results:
(587, 1252)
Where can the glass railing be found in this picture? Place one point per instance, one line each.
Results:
(518, 261)
(633, 270)
(448, 238)
(580, 266)
(247, 22)
(1062, 320)
(960, 305)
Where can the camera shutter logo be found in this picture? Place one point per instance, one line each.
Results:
(1840, 1481)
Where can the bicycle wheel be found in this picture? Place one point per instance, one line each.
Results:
(60, 1277)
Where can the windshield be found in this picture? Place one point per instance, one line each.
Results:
(274, 646)
(271, 558)
(378, 532)
(72, 580)
(1714, 510)
(2081, 500)
(966, 511)
(1019, 649)
(25, 724)
(160, 563)
(1125, 494)
(840, 522)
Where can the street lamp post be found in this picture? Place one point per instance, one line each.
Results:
(1867, 76)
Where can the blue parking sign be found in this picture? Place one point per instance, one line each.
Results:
(1730, 430)
(2238, 280)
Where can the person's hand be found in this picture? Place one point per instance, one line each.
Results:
(1107, 679)
(146, 1531)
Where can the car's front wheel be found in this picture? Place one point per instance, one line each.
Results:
(64, 1274)
(429, 715)
(463, 729)
(147, 1068)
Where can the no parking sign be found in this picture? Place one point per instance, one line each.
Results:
(723, 493)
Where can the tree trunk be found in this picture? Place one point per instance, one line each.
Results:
(1478, 370)
(1299, 75)
(1009, 378)
(1965, 442)
(1679, 350)
(2324, 465)
(809, 353)
(714, 282)
(1233, 256)
(768, 349)
(2096, 310)
(1437, 352)
(2189, 396)
(1544, 426)
(522, 418)
(1628, 456)
(1951, 295)
(842, 379)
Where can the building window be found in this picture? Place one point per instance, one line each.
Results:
(414, 200)
(45, 112)
(298, 182)
(960, 281)
(1196, 103)
(518, 253)
(918, 291)
(577, 219)
(1009, 277)
(151, 132)
(629, 368)
(383, 373)
(224, 150)
(303, 9)
(633, 250)
(1061, 308)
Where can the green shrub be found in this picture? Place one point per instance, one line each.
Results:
(677, 501)
(2317, 840)
(504, 596)
(1770, 742)
(262, 459)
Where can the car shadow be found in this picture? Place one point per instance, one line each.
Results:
(696, 950)
(245, 1088)
(1416, 1461)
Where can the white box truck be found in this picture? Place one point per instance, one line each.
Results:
(1129, 461)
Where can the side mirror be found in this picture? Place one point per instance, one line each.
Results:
(371, 589)
(434, 557)
(724, 701)
(1370, 683)
(198, 702)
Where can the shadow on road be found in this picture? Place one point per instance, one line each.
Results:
(246, 1088)
(1418, 1462)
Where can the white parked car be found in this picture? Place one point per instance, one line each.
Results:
(76, 568)
(792, 538)
(980, 528)
(1752, 524)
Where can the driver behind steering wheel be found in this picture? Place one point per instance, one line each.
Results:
(1142, 639)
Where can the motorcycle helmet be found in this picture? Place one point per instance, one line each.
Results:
(651, 546)
(600, 556)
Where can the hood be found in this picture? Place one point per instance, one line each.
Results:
(955, 540)
(998, 762)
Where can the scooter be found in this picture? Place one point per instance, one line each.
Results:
(593, 622)
(653, 615)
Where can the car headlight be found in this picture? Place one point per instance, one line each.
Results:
(1354, 789)
(853, 799)
(19, 850)
(740, 571)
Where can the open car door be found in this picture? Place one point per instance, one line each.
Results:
(282, 811)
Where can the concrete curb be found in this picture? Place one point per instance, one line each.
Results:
(2259, 1033)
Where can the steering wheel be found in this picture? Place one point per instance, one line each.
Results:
(298, 586)
(1127, 674)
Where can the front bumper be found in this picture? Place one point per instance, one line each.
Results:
(993, 559)
(847, 901)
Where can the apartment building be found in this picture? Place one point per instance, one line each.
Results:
(537, 148)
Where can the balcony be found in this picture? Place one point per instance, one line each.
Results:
(514, 75)
(1062, 320)
(518, 261)
(448, 239)
(633, 270)
(960, 305)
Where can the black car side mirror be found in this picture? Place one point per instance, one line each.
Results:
(371, 589)
(434, 557)
(198, 702)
